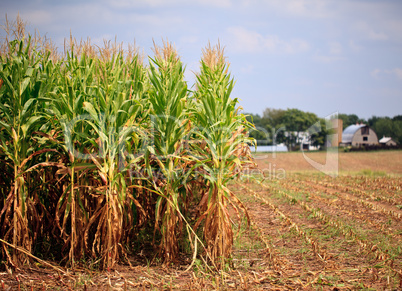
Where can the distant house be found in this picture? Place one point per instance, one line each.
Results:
(359, 135)
(387, 141)
(304, 139)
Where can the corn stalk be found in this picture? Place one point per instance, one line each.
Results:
(66, 114)
(169, 124)
(113, 118)
(20, 118)
(223, 129)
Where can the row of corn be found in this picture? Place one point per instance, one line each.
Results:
(102, 155)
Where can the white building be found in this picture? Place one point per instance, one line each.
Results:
(388, 141)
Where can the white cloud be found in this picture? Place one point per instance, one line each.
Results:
(113, 13)
(248, 41)
(38, 17)
(300, 8)
(334, 53)
(373, 35)
(327, 59)
(217, 3)
(378, 73)
(398, 73)
(369, 32)
(370, 20)
(315, 8)
(335, 48)
(394, 27)
(376, 20)
(355, 46)
(165, 3)
(375, 73)
(248, 69)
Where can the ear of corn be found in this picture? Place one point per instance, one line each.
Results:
(95, 147)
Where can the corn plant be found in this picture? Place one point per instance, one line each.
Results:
(223, 130)
(67, 115)
(114, 121)
(20, 118)
(168, 97)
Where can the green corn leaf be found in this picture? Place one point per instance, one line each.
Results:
(27, 125)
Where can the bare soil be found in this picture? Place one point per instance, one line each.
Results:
(325, 241)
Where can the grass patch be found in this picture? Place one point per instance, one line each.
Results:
(371, 173)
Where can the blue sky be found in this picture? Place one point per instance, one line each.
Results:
(319, 56)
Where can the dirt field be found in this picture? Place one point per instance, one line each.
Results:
(319, 232)
(308, 232)
(389, 162)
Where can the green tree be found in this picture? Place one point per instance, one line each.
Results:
(272, 121)
(319, 132)
(386, 126)
(350, 119)
(297, 121)
(273, 117)
(397, 131)
(397, 127)
(383, 127)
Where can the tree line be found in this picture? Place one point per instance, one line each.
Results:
(277, 126)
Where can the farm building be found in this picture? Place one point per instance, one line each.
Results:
(335, 139)
(359, 135)
(387, 141)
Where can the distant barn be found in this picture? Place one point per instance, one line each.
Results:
(387, 141)
(359, 135)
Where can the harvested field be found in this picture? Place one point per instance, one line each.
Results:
(389, 162)
(331, 233)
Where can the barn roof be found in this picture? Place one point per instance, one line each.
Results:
(385, 139)
(350, 131)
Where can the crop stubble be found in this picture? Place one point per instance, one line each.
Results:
(357, 238)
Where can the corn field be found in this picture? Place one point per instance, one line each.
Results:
(100, 151)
